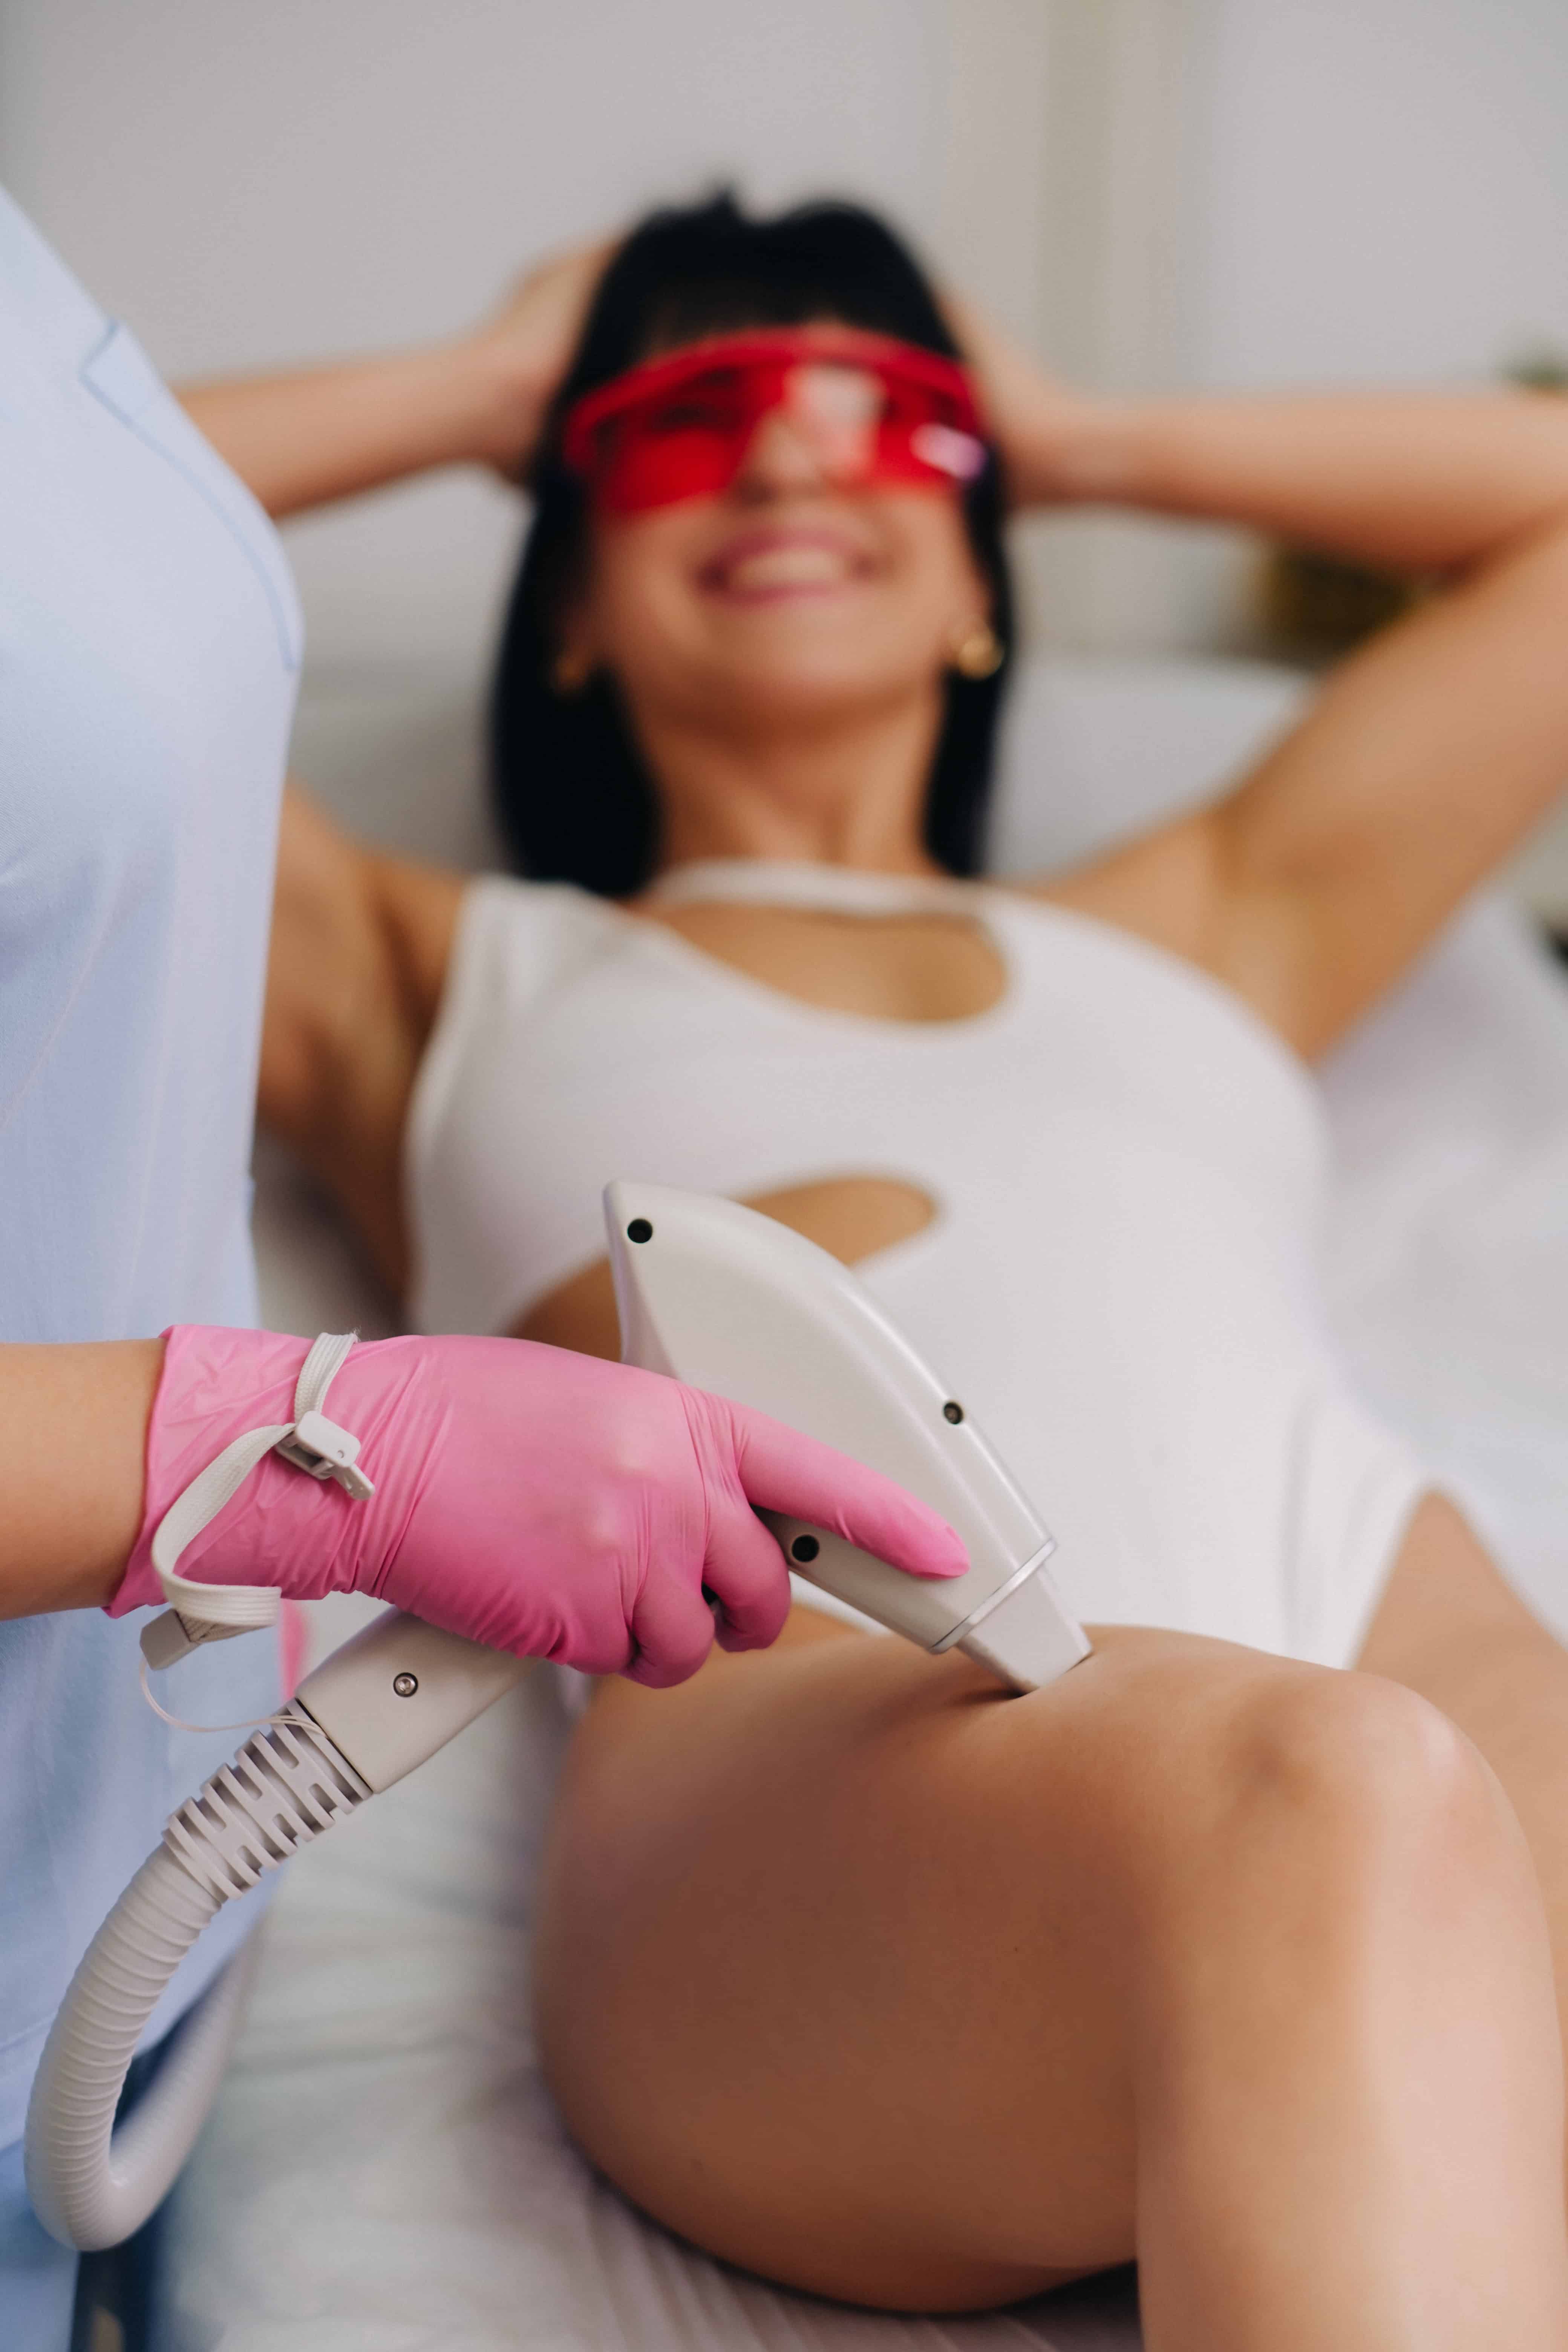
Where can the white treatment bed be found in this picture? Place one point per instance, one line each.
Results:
(382, 2172)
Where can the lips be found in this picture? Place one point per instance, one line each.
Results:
(762, 565)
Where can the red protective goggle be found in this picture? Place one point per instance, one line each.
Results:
(872, 409)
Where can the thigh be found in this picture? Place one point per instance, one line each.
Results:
(1452, 1629)
(835, 1948)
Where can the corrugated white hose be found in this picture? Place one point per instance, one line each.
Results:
(89, 2188)
(90, 2184)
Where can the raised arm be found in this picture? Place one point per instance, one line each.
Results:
(312, 434)
(1426, 755)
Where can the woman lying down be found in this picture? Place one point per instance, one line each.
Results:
(853, 1970)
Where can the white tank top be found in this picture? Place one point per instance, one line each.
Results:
(1128, 1170)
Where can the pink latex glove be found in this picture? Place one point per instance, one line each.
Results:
(539, 1501)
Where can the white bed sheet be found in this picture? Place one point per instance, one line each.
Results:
(382, 2172)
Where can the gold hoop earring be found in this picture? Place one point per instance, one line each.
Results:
(570, 672)
(979, 652)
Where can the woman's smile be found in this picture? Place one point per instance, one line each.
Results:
(764, 565)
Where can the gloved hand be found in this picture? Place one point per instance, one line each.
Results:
(539, 1501)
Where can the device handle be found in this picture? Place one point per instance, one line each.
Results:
(399, 1689)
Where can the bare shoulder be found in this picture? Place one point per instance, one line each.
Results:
(1158, 885)
(1173, 887)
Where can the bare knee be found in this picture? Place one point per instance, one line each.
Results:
(1347, 1800)
(1367, 1765)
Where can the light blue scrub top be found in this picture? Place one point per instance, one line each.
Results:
(150, 640)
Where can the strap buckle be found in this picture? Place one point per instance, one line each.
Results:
(325, 1450)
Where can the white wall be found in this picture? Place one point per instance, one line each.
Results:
(1290, 191)
(1385, 198)
(1387, 189)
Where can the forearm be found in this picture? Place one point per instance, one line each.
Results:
(73, 1426)
(1406, 482)
(304, 438)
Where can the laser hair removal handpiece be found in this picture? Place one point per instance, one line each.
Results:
(736, 1303)
(723, 1297)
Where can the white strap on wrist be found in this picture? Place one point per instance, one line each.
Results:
(213, 1612)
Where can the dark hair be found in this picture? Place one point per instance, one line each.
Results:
(573, 799)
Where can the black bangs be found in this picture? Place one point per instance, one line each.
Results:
(707, 269)
(572, 799)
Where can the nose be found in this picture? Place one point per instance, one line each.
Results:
(780, 458)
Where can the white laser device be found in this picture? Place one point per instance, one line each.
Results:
(736, 1303)
(725, 1299)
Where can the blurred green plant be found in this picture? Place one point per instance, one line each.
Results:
(1545, 369)
(1312, 607)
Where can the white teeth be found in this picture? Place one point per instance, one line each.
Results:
(787, 567)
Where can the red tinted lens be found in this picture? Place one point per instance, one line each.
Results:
(927, 434)
(679, 428)
(683, 439)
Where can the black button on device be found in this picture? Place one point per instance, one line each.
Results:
(639, 1230)
(804, 1548)
(952, 1411)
